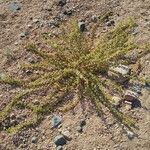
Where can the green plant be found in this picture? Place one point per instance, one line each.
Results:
(76, 64)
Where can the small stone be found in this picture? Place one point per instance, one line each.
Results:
(12, 116)
(34, 139)
(16, 43)
(28, 72)
(29, 26)
(43, 137)
(60, 140)
(68, 12)
(116, 100)
(130, 135)
(35, 20)
(61, 2)
(110, 23)
(13, 122)
(136, 88)
(14, 6)
(119, 73)
(82, 122)
(59, 126)
(79, 129)
(53, 23)
(130, 95)
(23, 34)
(81, 26)
(32, 60)
(59, 148)
(66, 134)
(128, 105)
(94, 18)
(122, 69)
(135, 31)
(56, 121)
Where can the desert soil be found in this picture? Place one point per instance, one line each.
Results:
(29, 23)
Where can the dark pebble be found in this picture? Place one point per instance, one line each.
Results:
(59, 140)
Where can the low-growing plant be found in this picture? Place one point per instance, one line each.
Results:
(75, 64)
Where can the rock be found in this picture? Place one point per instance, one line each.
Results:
(59, 126)
(16, 43)
(34, 139)
(110, 23)
(128, 105)
(13, 121)
(6, 123)
(81, 26)
(59, 148)
(135, 31)
(56, 121)
(122, 69)
(130, 95)
(12, 116)
(23, 34)
(29, 26)
(54, 23)
(28, 72)
(36, 102)
(136, 88)
(43, 137)
(67, 12)
(130, 135)
(79, 129)
(82, 122)
(61, 2)
(94, 18)
(35, 20)
(14, 6)
(32, 60)
(116, 100)
(119, 73)
(66, 134)
(60, 140)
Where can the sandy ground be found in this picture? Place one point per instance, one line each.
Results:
(34, 19)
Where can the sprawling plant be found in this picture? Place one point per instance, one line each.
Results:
(77, 65)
